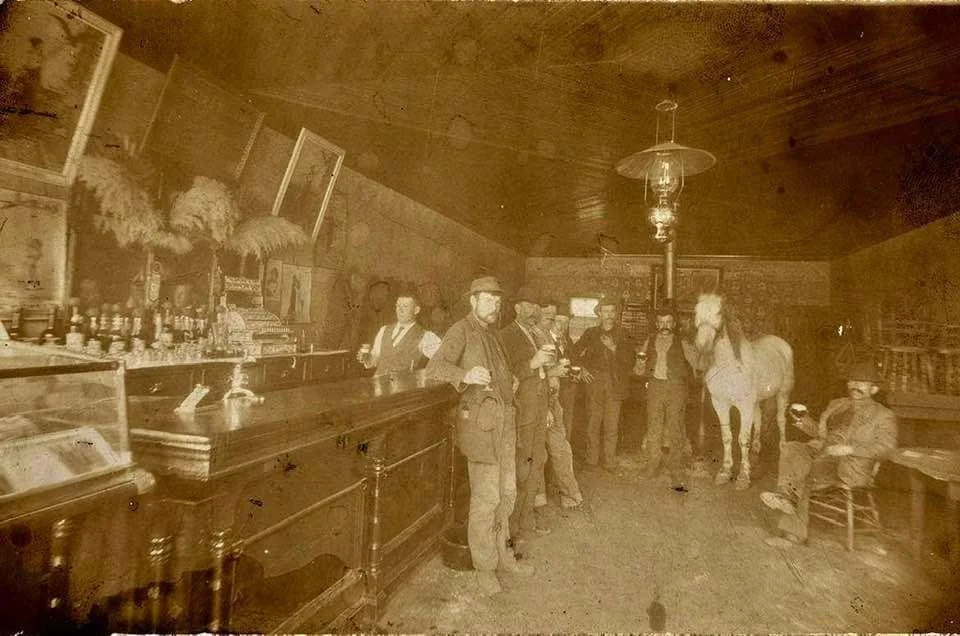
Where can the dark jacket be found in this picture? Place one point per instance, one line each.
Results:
(606, 366)
(533, 392)
(467, 344)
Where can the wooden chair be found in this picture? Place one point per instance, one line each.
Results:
(853, 508)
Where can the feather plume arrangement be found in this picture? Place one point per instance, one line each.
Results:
(263, 235)
(126, 209)
(208, 210)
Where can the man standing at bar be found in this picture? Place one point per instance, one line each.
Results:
(530, 363)
(606, 357)
(403, 345)
(668, 363)
(471, 357)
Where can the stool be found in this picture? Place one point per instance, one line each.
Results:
(839, 506)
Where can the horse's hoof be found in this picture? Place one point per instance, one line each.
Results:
(743, 482)
(722, 478)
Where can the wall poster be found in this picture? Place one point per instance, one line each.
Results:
(33, 249)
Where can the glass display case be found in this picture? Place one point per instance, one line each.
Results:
(63, 423)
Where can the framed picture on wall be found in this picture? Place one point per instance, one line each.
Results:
(308, 183)
(33, 249)
(55, 57)
(688, 284)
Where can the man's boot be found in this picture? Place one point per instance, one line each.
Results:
(487, 583)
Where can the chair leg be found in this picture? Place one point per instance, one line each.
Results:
(849, 496)
(873, 509)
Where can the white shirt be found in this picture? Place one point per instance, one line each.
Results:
(428, 345)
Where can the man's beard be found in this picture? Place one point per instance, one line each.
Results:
(490, 317)
(665, 330)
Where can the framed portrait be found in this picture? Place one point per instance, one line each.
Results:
(196, 108)
(688, 284)
(33, 249)
(296, 285)
(55, 57)
(308, 183)
(272, 289)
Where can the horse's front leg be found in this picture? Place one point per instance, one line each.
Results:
(751, 416)
(782, 403)
(723, 414)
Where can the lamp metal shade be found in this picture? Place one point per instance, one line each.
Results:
(694, 160)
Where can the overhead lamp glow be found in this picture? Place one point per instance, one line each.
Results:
(663, 168)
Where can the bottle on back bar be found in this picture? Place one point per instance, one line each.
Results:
(50, 333)
(14, 328)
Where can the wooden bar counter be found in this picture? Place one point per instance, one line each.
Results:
(297, 513)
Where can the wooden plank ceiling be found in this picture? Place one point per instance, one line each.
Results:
(834, 126)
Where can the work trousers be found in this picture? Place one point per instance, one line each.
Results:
(605, 417)
(568, 398)
(803, 470)
(666, 428)
(493, 493)
(560, 455)
(531, 456)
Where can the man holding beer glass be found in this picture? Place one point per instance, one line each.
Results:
(532, 363)
(668, 363)
(606, 355)
(558, 438)
(472, 358)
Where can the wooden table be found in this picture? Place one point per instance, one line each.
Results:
(942, 465)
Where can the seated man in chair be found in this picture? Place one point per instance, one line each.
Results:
(855, 432)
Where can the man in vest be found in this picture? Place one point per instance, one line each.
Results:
(403, 345)
(532, 365)
(605, 356)
(472, 359)
(668, 363)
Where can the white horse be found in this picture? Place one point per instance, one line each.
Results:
(741, 373)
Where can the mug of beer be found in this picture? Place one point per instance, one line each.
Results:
(364, 352)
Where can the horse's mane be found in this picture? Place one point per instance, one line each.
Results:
(731, 322)
(711, 303)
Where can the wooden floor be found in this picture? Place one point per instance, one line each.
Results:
(701, 553)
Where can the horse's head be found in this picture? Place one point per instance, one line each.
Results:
(708, 320)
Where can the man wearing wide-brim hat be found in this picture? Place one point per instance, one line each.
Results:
(472, 358)
(855, 434)
(606, 357)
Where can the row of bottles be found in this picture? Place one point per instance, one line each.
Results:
(114, 330)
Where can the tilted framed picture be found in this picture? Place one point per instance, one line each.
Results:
(55, 57)
(308, 182)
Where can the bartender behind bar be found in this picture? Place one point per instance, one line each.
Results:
(403, 345)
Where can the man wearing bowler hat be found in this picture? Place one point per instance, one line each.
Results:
(472, 358)
(532, 364)
(606, 357)
(667, 362)
(855, 432)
